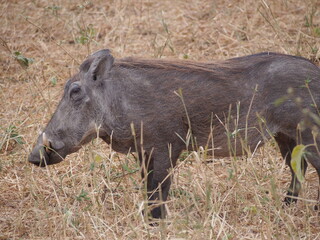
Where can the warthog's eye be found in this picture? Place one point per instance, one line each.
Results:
(75, 92)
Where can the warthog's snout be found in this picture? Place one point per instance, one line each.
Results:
(44, 153)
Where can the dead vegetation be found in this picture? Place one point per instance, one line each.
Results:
(94, 193)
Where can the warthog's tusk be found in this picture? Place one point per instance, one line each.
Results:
(45, 142)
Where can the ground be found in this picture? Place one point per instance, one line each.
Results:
(94, 193)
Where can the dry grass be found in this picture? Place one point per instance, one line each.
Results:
(94, 193)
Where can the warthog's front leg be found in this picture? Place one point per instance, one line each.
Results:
(159, 180)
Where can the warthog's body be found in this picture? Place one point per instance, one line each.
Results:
(113, 95)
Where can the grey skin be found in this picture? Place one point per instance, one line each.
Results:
(107, 96)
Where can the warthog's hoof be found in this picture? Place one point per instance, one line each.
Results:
(289, 200)
(316, 207)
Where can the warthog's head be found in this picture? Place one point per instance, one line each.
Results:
(78, 114)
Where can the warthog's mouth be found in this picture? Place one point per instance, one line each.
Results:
(42, 157)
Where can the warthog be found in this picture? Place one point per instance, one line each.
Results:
(180, 103)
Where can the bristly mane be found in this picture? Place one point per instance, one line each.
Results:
(231, 65)
(179, 65)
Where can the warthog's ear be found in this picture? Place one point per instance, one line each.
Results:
(101, 64)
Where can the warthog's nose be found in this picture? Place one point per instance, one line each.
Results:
(46, 152)
(39, 156)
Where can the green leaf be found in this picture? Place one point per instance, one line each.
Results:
(317, 31)
(55, 9)
(22, 60)
(280, 101)
(86, 34)
(127, 168)
(14, 135)
(92, 166)
(308, 80)
(231, 175)
(82, 196)
(296, 160)
(97, 158)
(53, 81)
